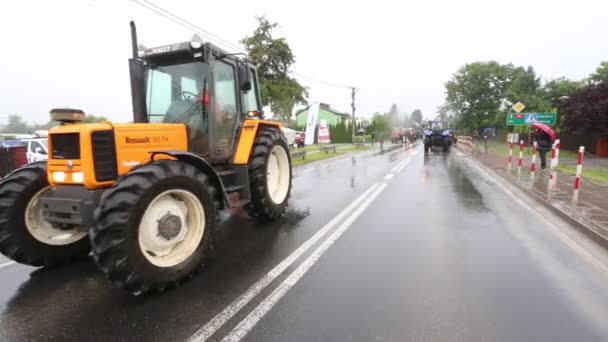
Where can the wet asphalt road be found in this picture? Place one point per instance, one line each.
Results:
(430, 253)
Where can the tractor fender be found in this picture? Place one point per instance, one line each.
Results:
(202, 165)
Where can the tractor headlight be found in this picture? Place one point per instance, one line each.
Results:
(77, 177)
(59, 176)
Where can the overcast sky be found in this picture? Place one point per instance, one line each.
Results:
(74, 52)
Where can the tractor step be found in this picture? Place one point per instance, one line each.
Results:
(240, 203)
(233, 188)
(225, 173)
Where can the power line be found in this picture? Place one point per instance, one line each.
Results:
(200, 29)
(187, 24)
(320, 81)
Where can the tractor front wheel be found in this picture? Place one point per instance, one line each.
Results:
(24, 234)
(269, 174)
(154, 226)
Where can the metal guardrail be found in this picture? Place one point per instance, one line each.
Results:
(298, 154)
(327, 148)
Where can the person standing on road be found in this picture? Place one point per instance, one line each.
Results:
(544, 145)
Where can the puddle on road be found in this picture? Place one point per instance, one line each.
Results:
(464, 188)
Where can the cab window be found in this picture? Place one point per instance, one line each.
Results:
(251, 99)
(224, 103)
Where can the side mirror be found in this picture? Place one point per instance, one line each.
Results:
(244, 77)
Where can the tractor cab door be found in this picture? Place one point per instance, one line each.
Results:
(224, 108)
(234, 94)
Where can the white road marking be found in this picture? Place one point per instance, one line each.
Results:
(269, 302)
(398, 165)
(7, 264)
(307, 170)
(221, 318)
(403, 166)
(388, 176)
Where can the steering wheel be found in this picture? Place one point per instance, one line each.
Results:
(183, 93)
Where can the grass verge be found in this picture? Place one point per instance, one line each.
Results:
(314, 157)
(502, 148)
(596, 174)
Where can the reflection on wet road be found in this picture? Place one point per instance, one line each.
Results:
(427, 251)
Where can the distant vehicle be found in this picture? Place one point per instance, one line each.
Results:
(36, 148)
(411, 135)
(437, 135)
(397, 135)
(290, 135)
(300, 136)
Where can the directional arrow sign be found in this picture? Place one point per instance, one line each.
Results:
(521, 119)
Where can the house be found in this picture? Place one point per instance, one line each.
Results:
(332, 116)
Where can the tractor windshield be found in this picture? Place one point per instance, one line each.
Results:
(174, 93)
(437, 126)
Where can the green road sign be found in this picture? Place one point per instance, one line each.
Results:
(521, 119)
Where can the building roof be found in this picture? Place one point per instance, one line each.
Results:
(323, 106)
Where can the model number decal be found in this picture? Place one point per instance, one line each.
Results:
(146, 140)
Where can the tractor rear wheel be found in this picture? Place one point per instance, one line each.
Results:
(269, 175)
(24, 234)
(154, 226)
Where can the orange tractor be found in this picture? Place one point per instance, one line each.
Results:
(143, 197)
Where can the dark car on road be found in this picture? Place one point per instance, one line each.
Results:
(437, 136)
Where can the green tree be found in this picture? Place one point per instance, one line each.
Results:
(587, 111)
(381, 124)
(561, 87)
(601, 73)
(274, 57)
(90, 118)
(525, 86)
(393, 115)
(416, 116)
(16, 124)
(476, 92)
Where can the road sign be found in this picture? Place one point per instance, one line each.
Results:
(518, 107)
(521, 119)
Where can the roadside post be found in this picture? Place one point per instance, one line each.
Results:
(557, 147)
(521, 155)
(510, 155)
(552, 174)
(579, 172)
(533, 163)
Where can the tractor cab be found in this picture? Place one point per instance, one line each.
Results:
(199, 85)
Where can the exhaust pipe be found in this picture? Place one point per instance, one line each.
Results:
(134, 39)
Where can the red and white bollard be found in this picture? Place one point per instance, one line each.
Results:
(579, 172)
(521, 156)
(552, 174)
(533, 163)
(510, 155)
(557, 147)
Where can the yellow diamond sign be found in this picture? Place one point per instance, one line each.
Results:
(518, 107)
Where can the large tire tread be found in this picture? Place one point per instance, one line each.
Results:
(117, 221)
(262, 208)
(15, 241)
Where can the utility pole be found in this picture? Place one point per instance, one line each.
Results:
(354, 123)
